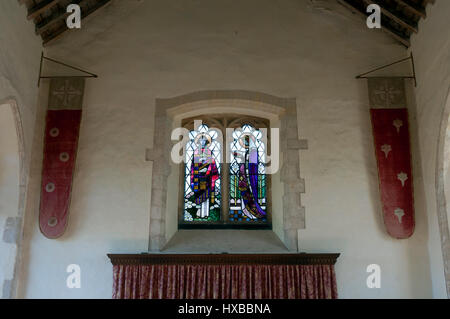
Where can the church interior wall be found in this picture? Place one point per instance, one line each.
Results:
(181, 47)
(20, 52)
(9, 191)
(431, 49)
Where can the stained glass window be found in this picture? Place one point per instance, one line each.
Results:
(202, 189)
(229, 194)
(247, 176)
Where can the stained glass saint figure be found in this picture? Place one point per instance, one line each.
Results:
(204, 174)
(248, 179)
(247, 176)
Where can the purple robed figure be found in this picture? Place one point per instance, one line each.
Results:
(248, 183)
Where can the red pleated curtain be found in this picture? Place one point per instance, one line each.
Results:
(223, 281)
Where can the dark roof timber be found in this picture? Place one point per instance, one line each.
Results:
(50, 16)
(399, 18)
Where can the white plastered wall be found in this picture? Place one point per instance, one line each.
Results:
(431, 48)
(160, 49)
(446, 160)
(9, 187)
(20, 52)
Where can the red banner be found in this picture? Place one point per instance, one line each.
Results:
(60, 149)
(392, 150)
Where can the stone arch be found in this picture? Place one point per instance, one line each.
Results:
(281, 112)
(443, 187)
(13, 189)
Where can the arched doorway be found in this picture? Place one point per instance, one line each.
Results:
(10, 194)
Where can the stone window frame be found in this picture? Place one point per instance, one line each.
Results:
(169, 113)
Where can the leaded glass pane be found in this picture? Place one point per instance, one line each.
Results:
(202, 193)
(247, 176)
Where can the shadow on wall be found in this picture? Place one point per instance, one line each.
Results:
(446, 158)
(443, 188)
(10, 193)
(421, 232)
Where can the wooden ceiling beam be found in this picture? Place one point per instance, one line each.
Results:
(401, 21)
(84, 13)
(57, 16)
(45, 24)
(41, 7)
(387, 29)
(413, 8)
(399, 17)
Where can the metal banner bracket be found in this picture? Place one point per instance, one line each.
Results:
(413, 76)
(88, 74)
